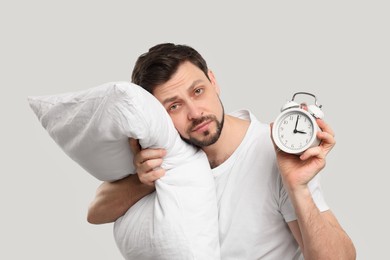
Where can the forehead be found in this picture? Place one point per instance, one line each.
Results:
(186, 77)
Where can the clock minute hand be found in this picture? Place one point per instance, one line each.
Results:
(296, 124)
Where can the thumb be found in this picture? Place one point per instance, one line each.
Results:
(134, 145)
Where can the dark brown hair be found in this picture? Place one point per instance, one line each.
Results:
(157, 66)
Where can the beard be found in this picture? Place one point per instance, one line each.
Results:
(208, 138)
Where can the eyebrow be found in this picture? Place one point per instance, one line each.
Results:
(170, 99)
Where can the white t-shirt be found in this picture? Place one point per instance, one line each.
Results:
(254, 207)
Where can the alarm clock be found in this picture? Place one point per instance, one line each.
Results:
(295, 129)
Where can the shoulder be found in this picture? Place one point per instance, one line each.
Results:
(248, 116)
(257, 141)
(257, 129)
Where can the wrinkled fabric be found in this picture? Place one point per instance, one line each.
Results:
(92, 127)
(180, 219)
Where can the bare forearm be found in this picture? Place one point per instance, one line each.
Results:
(112, 200)
(103, 211)
(322, 236)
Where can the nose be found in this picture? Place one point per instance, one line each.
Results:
(193, 111)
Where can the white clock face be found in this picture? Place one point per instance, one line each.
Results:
(295, 130)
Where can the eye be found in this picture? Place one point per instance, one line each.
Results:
(173, 107)
(198, 91)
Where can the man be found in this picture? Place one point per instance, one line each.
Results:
(270, 207)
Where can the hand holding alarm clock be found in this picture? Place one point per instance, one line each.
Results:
(295, 129)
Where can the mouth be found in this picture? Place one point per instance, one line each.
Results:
(202, 126)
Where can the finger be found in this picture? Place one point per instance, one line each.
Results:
(148, 154)
(146, 181)
(158, 173)
(134, 145)
(327, 141)
(325, 127)
(150, 165)
(313, 152)
(150, 177)
(326, 138)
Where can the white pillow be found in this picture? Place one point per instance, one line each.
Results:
(180, 220)
(92, 126)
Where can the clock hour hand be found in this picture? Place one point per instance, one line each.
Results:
(301, 132)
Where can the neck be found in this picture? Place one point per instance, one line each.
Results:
(232, 134)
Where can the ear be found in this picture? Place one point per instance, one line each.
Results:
(214, 81)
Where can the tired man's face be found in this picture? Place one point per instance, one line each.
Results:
(192, 101)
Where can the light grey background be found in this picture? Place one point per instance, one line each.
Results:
(261, 52)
